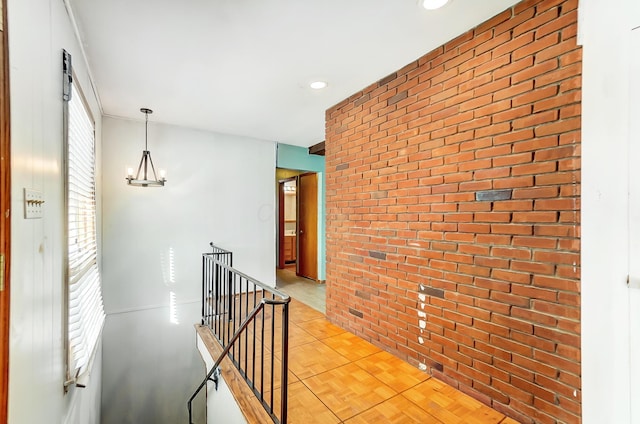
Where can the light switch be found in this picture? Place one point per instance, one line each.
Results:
(33, 204)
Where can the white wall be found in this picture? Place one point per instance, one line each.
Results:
(220, 188)
(38, 31)
(634, 219)
(221, 405)
(610, 345)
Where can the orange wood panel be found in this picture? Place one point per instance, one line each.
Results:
(308, 226)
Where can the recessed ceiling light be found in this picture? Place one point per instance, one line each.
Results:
(433, 4)
(318, 85)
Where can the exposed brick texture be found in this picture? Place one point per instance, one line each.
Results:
(483, 293)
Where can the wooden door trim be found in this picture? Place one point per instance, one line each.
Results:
(281, 224)
(5, 217)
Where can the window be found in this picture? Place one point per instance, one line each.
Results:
(85, 309)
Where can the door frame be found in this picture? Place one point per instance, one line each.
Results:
(633, 276)
(5, 220)
(281, 263)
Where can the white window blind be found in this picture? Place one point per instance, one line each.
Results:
(85, 309)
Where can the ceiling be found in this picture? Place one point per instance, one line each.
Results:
(244, 66)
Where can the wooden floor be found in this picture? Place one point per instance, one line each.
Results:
(336, 377)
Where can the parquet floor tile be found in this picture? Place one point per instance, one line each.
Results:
(349, 390)
(313, 358)
(450, 405)
(299, 312)
(397, 410)
(305, 408)
(320, 328)
(297, 337)
(392, 371)
(351, 346)
(508, 420)
(262, 372)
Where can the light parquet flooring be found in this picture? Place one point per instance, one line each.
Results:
(336, 377)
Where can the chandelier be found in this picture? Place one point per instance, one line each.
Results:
(146, 175)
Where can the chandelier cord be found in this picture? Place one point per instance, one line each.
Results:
(146, 126)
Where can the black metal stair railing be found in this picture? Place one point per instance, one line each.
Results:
(211, 282)
(250, 320)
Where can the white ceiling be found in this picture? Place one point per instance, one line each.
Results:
(243, 66)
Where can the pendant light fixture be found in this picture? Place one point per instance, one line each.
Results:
(146, 175)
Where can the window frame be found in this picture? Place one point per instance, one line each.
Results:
(77, 372)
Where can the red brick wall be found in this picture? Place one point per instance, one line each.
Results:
(484, 294)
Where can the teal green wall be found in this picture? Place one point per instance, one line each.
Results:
(294, 157)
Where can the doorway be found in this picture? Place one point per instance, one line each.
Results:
(297, 235)
(298, 224)
(287, 224)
